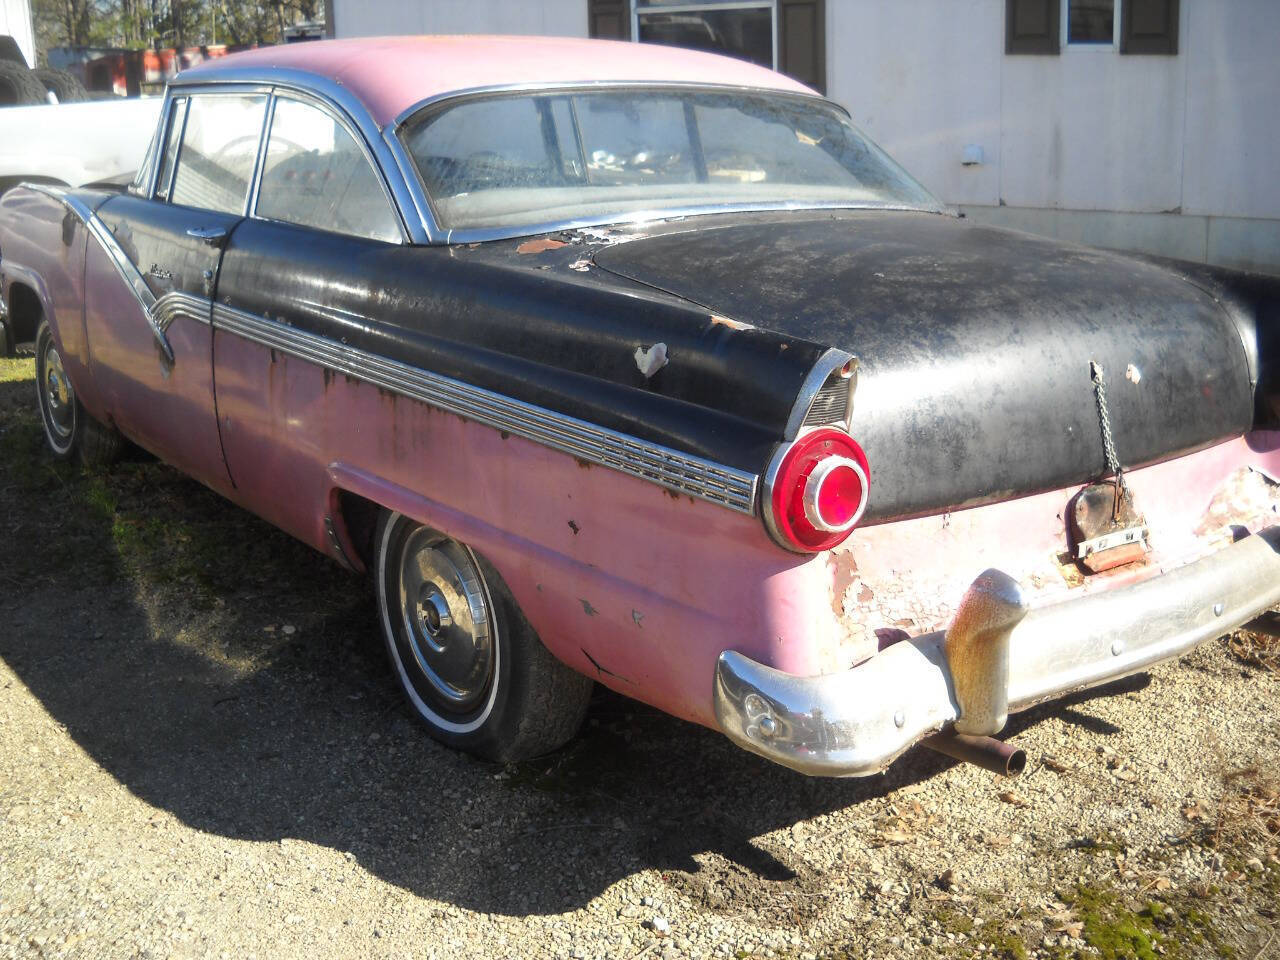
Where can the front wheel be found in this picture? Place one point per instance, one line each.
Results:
(68, 429)
(469, 663)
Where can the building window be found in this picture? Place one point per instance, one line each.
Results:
(747, 31)
(1090, 23)
(784, 35)
(1130, 26)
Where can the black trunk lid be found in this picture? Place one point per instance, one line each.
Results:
(975, 343)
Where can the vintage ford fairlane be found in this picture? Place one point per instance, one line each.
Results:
(638, 366)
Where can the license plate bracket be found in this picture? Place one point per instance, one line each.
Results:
(1105, 529)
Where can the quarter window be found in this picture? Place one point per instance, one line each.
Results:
(177, 117)
(219, 149)
(316, 175)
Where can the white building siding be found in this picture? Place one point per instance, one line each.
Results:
(922, 79)
(1173, 155)
(363, 18)
(1232, 160)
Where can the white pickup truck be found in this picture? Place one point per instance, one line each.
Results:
(52, 132)
(75, 143)
(64, 143)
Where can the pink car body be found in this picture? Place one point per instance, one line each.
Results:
(666, 587)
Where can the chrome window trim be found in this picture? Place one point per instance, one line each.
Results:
(214, 90)
(168, 187)
(255, 178)
(560, 86)
(345, 104)
(319, 103)
(441, 234)
(827, 364)
(400, 174)
(422, 197)
(154, 155)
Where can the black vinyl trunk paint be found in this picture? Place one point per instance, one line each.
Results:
(975, 344)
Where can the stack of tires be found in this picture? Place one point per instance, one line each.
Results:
(22, 86)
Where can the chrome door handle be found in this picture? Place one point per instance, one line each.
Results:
(213, 236)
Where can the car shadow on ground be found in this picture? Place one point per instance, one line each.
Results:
(234, 678)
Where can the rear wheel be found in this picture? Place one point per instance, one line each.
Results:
(469, 663)
(68, 429)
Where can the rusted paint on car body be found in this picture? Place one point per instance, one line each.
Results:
(974, 404)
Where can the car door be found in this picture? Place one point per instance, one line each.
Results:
(152, 359)
(311, 254)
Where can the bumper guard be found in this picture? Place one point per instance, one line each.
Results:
(997, 657)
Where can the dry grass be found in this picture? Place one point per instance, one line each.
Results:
(1256, 649)
(1249, 817)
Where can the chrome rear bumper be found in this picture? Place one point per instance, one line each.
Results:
(857, 722)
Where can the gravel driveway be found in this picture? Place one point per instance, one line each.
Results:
(202, 754)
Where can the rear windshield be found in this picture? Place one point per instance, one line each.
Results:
(525, 159)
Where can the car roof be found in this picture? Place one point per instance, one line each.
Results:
(391, 74)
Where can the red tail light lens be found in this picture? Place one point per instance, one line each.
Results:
(816, 490)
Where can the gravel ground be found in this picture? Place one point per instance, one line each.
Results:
(202, 754)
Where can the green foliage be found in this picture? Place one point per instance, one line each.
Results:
(136, 24)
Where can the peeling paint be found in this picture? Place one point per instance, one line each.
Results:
(844, 571)
(719, 321)
(1132, 374)
(539, 245)
(582, 266)
(637, 616)
(574, 527)
(587, 608)
(602, 671)
(649, 361)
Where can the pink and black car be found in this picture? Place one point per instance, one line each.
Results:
(630, 365)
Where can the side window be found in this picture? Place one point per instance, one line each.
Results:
(219, 148)
(176, 120)
(316, 175)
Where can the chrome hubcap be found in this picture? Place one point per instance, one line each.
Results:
(446, 619)
(59, 399)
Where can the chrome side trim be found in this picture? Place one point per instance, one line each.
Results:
(158, 313)
(716, 483)
(682, 472)
(177, 304)
(827, 364)
(856, 722)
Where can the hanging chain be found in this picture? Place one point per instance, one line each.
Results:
(1108, 441)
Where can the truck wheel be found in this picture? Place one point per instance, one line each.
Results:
(68, 429)
(469, 663)
(18, 86)
(64, 85)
